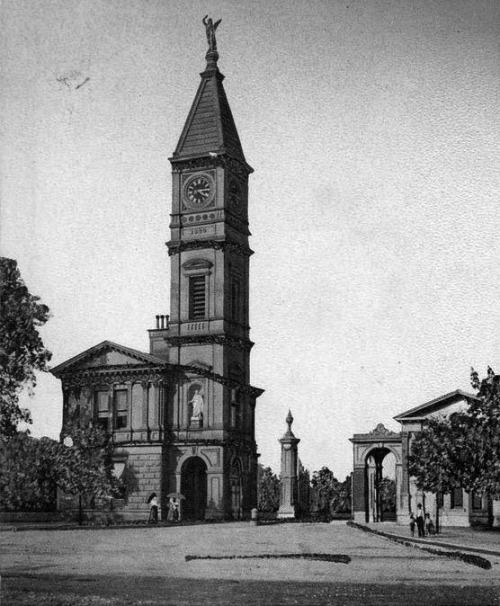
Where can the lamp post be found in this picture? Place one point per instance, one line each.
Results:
(68, 442)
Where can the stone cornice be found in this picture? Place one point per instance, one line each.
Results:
(238, 168)
(254, 392)
(210, 339)
(118, 374)
(177, 246)
(247, 446)
(112, 374)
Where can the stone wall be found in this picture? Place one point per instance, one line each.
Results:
(143, 475)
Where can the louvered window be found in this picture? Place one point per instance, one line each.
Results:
(197, 298)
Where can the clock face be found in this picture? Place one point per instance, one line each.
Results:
(235, 195)
(199, 191)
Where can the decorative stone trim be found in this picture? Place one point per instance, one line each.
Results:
(238, 168)
(111, 375)
(248, 389)
(174, 248)
(210, 340)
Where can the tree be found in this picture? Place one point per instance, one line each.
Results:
(33, 470)
(268, 489)
(341, 502)
(387, 489)
(27, 481)
(22, 351)
(325, 488)
(83, 463)
(462, 450)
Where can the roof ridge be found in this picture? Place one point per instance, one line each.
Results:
(435, 401)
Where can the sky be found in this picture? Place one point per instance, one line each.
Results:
(374, 131)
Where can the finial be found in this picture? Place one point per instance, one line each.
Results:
(210, 27)
(289, 420)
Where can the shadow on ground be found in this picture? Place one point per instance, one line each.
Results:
(45, 590)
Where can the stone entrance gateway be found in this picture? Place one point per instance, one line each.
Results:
(194, 488)
(370, 450)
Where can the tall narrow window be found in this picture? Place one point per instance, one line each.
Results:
(235, 409)
(102, 404)
(457, 498)
(121, 408)
(197, 298)
(235, 298)
(477, 501)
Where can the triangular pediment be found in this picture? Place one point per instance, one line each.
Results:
(444, 405)
(105, 354)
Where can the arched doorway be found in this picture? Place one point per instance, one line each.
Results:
(380, 485)
(194, 488)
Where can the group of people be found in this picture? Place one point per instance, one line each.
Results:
(173, 509)
(423, 523)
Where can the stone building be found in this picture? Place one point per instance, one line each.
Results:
(370, 452)
(182, 416)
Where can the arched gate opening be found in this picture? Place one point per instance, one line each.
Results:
(376, 478)
(194, 488)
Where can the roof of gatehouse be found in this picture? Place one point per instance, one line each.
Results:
(447, 403)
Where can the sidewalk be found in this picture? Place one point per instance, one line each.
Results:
(459, 538)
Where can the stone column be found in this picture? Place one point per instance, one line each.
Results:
(359, 496)
(288, 495)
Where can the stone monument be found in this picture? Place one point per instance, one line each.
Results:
(289, 493)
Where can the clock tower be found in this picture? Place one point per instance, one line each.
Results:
(210, 452)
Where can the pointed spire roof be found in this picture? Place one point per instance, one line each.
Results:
(210, 127)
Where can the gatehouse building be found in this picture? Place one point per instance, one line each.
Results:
(372, 450)
(182, 415)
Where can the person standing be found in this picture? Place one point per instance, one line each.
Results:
(429, 525)
(171, 510)
(153, 508)
(176, 509)
(420, 521)
(412, 525)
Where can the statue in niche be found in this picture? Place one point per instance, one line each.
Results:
(210, 28)
(197, 403)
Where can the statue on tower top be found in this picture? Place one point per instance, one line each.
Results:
(210, 28)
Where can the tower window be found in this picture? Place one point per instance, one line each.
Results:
(197, 299)
(121, 408)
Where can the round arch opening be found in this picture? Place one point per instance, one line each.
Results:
(194, 488)
(380, 485)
